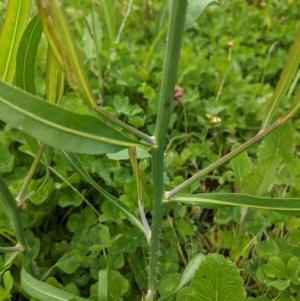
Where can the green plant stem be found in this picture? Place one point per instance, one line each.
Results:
(95, 33)
(294, 84)
(20, 197)
(174, 41)
(150, 140)
(259, 136)
(140, 191)
(17, 249)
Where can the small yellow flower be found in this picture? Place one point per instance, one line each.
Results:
(213, 119)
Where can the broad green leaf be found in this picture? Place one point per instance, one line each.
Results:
(76, 164)
(7, 160)
(14, 25)
(6, 261)
(241, 165)
(68, 264)
(259, 179)
(216, 279)
(8, 280)
(254, 222)
(56, 126)
(292, 268)
(280, 142)
(215, 200)
(267, 248)
(117, 285)
(194, 10)
(43, 291)
(27, 54)
(280, 284)
(275, 268)
(167, 284)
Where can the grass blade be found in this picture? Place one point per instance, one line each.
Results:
(44, 291)
(103, 285)
(215, 200)
(10, 36)
(54, 80)
(286, 78)
(109, 17)
(56, 126)
(63, 46)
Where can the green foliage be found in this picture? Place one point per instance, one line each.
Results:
(11, 34)
(86, 197)
(215, 279)
(31, 116)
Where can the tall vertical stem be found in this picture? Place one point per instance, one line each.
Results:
(174, 41)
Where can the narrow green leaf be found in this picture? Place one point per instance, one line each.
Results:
(76, 164)
(103, 285)
(54, 79)
(194, 10)
(109, 16)
(56, 126)
(63, 46)
(27, 54)
(217, 279)
(10, 36)
(258, 181)
(286, 78)
(9, 207)
(281, 142)
(123, 154)
(188, 273)
(215, 200)
(43, 291)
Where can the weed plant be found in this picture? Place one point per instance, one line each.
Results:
(115, 187)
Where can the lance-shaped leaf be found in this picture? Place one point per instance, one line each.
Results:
(27, 54)
(187, 274)
(62, 43)
(10, 36)
(9, 207)
(215, 200)
(44, 291)
(288, 73)
(72, 160)
(56, 126)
